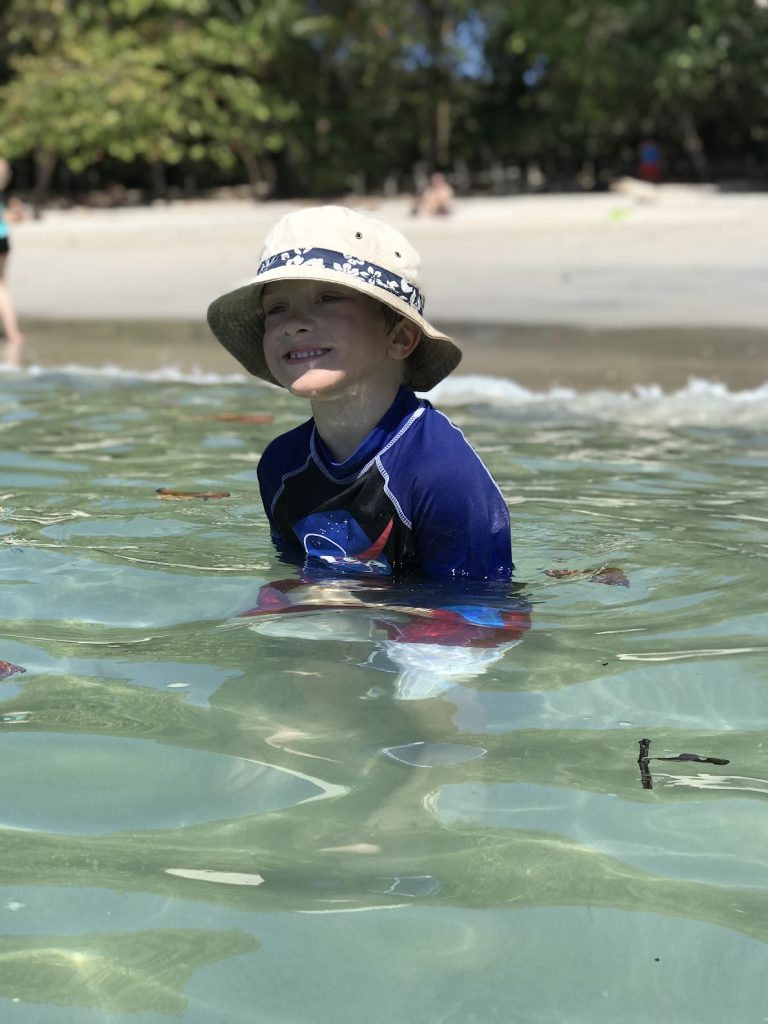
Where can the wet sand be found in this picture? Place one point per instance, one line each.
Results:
(536, 356)
(590, 290)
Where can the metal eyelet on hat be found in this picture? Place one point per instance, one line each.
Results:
(358, 234)
(398, 255)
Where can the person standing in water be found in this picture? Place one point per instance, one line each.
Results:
(13, 335)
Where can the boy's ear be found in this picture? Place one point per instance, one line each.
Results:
(405, 337)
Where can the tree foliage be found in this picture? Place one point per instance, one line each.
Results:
(297, 95)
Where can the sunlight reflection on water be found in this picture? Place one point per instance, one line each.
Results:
(163, 754)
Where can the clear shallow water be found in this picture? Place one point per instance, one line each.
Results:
(232, 819)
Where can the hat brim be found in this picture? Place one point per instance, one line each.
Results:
(237, 320)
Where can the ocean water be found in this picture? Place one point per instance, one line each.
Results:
(214, 817)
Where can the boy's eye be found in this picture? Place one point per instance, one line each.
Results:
(330, 297)
(273, 308)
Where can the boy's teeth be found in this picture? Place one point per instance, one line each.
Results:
(313, 354)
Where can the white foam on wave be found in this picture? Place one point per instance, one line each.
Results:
(700, 402)
(163, 375)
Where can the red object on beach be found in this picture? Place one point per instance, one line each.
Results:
(170, 494)
(7, 669)
(649, 161)
(257, 418)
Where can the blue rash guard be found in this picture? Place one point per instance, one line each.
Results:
(414, 499)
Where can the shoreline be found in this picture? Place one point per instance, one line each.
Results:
(589, 290)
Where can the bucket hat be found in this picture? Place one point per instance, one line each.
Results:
(344, 247)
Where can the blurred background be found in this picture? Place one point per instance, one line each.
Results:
(602, 166)
(129, 100)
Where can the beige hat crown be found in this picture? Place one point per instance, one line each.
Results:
(340, 246)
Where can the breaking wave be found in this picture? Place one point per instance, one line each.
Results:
(700, 402)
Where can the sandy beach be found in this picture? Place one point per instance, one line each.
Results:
(577, 281)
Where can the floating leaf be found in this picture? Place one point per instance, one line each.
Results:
(7, 669)
(611, 576)
(173, 495)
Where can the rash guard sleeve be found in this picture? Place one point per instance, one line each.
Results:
(460, 518)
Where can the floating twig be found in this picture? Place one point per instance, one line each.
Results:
(645, 775)
(694, 757)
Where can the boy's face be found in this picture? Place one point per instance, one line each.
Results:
(324, 340)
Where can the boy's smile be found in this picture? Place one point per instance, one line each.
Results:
(294, 355)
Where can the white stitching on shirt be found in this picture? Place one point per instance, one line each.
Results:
(487, 471)
(287, 476)
(314, 457)
(356, 476)
(408, 423)
(318, 461)
(391, 496)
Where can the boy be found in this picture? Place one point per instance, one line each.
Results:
(378, 481)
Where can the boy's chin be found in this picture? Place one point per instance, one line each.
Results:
(316, 383)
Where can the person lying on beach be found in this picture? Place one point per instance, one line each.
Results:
(377, 482)
(436, 199)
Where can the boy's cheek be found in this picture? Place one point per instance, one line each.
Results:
(272, 361)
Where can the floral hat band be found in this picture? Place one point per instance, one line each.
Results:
(344, 263)
(335, 245)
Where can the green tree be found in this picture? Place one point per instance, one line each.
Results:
(153, 80)
(299, 95)
(611, 71)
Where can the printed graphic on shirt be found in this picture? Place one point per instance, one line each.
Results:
(337, 539)
(315, 512)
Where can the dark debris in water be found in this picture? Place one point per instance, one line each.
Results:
(611, 575)
(644, 758)
(645, 775)
(694, 757)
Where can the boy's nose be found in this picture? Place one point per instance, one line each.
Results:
(297, 322)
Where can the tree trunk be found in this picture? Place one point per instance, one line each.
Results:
(693, 145)
(443, 131)
(261, 181)
(440, 27)
(159, 184)
(45, 165)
